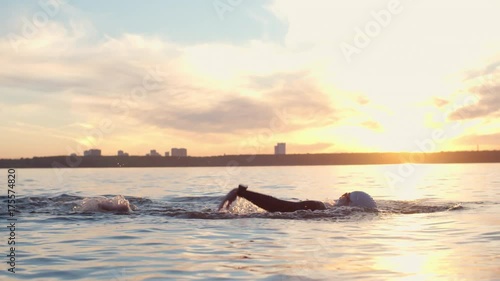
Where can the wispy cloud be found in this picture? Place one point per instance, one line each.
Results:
(487, 90)
(489, 140)
(300, 108)
(372, 125)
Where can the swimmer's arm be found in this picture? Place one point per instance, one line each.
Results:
(266, 202)
(263, 201)
(229, 199)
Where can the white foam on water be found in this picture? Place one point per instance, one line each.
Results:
(103, 204)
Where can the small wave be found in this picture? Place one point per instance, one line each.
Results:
(416, 207)
(195, 199)
(70, 204)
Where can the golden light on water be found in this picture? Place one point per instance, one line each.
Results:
(407, 192)
(415, 266)
(410, 256)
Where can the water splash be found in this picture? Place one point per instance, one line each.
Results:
(102, 204)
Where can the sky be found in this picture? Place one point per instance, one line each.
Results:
(237, 76)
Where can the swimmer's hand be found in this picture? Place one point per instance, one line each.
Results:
(229, 198)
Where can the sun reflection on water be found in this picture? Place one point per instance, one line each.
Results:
(415, 266)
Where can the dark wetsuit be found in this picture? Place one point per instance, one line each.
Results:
(272, 204)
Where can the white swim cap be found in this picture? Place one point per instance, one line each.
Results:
(362, 199)
(357, 199)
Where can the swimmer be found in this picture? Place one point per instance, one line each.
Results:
(272, 204)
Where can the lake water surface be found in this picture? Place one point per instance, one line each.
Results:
(434, 222)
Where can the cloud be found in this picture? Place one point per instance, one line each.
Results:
(486, 89)
(362, 100)
(206, 88)
(292, 106)
(439, 102)
(372, 125)
(489, 69)
(224, 117)
(488, 140)
(269, 81)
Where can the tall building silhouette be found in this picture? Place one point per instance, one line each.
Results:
(280, 148)
(178, 152)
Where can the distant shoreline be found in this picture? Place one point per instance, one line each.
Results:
(254, 160)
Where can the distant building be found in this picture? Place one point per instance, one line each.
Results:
(167, 154)
(280, 148)
(153, 153)
(121, 153)
(92, 152)
(179, 152)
